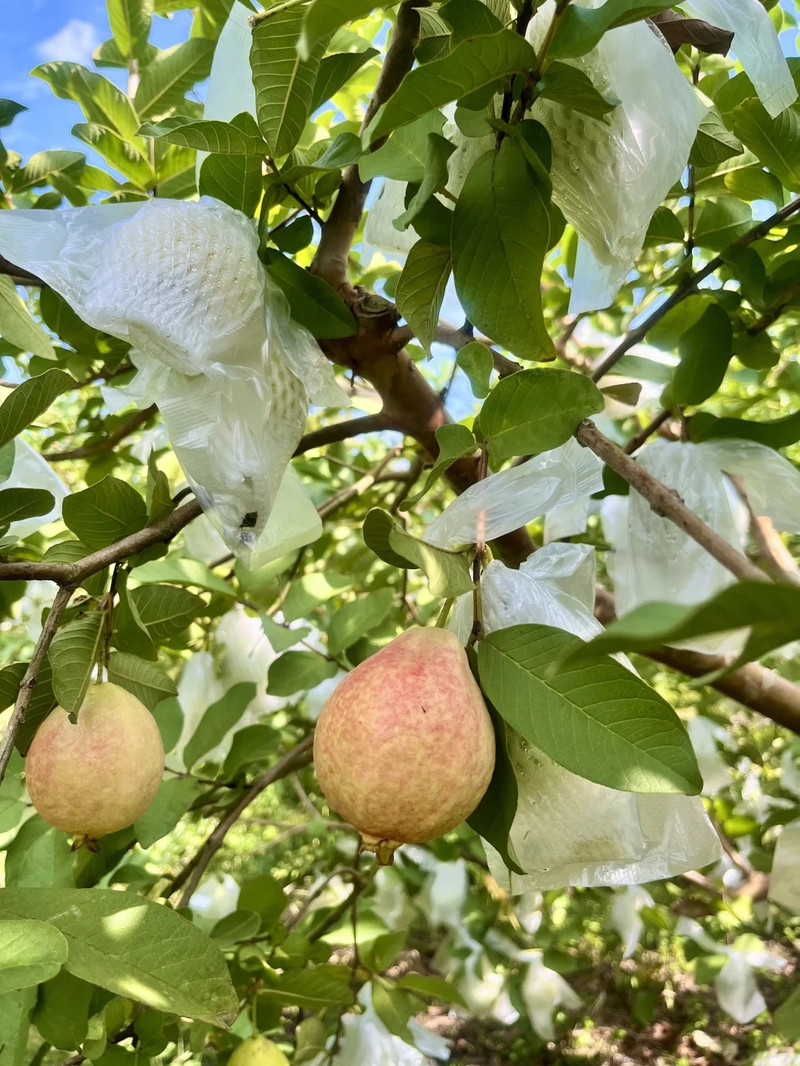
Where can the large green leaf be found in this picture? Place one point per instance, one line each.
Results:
(9, 109)
(102, 103)
(210, 135)
(472, 64)
(705, 350)
(218, 719)
(356, 619)
(133, 948)
(502, 228)
(284, 82)
(772, 612)
(600, 721)
(402, 157)
(62, 1011)
(39, 856)
(447, 571)
(298, 671)
(42, 702)
(581, 28)
(165, 610)
(174, 798)
(779, 433)
(43, 167)
(234, 179)
(421, 287)
(312, 989)
(178, 571)
(572, 87)
(322, 17)
(105, 512)
(17, 504)
(493, 817)
(335, 71)
(30, 952)
(73, 653)
(16, 325)
(148, 682)
(170, 75)
(776, 141)
(312, 302)
(27, 401)
(787, 1018)
(714, 142)
(438, 151)
(130, 24)
(14, 1027)
(117, 152)
(535, 410)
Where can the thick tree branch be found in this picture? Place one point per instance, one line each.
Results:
(667, 503)
(108, 443)
(689, 283)
(28, 683)
(189, 877)
(339, 431)
(330, 261)
(17, 274)
(72, 574)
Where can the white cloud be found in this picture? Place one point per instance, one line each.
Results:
(74, 42)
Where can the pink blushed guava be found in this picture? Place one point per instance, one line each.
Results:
(96, 775)
(404, 747)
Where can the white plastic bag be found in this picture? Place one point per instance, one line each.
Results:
(30, 471)
(543, 992)
(653, 559)
(214, 342)
(704, 735)
(625, 916)
(756, 45)
(784, 882)
(610, 174)
(550, 484)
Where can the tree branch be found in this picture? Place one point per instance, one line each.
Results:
(667, 503)
(17, 274)
(190, 875)
(72, 574)
(28, 683)
(689, 283)
(108, 443)
(339, 431)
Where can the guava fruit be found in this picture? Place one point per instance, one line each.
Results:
(404, 747)
(95, 775)
(258, 1051)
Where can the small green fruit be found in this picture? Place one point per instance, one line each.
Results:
(258, 1051)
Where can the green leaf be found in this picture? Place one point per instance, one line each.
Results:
(756, 351)
(771, 612)
(469, 18)
(62, 1011)
(73, 654)
(323, 17)
(705, 351)
(581, 28)
(14, 1027)
(281, 637)
(284, 82)
(39, 856)
(502, 228)
(173, 799)
(493, 817)
(421, 288)
(251, 744)
(148, 682)
(356, 619)
(209, 135)
(455, 442)
(787, 1018)
(104, 513)
(170, 75)
(298, 671)
(9, 109)
(178, 571)
(43, 167)
(17, 504)
(169, 719)
(572, 87)
(118, 153)
(30, 952)
(130, 24)
(435, 987)
(601, 721)
(159, 498)
(665, 228)
(103, 104)
(535, 410)
(714, 142)
(779, 433)
(130, 632)
(403, 156)
(471, 65)
(393, 1006)
(265, 897)
(16, 325)
(336, 71)
(240, 925)
(438, 151)
(234, 179)
(447, 571)
(721, 222)
(165, 610)
(776, 141)
(134, 948)
(29, 399)
(313, 990)
(42, 702)
(475, 359)
(312, 302)
(218, 720)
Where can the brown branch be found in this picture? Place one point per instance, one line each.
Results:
(775, 555)
(457, 337)
(638, 439)
(17, 274)
(689, 283)
(108, 443)
(28, 683)
(190, 875)
(338, 234)
(339, 431)
(667, 503)
(74, 573)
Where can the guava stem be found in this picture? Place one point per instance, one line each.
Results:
(382, 849)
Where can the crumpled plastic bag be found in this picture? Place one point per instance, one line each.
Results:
(704, 735)
(655, 560)
(543, 992)
(557, 484)
(215, 345)
(625, 916)
(444, 893)
(755, 44)
(30, 471)
(735, 985)
(567, 830)
(610, 174)
(784, 882)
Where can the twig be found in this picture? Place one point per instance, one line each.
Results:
(190, 875)
(339, 431)
(331, 919)
(638, 439)
(358, 488)
(457, 337)
(28, 683)
(689, 283)
(73, 574)
(774, 553)
(667, 503)
(108, 443)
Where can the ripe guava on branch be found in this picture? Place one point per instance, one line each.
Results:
(258, 1051)
(98, 774)
(404, 747)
